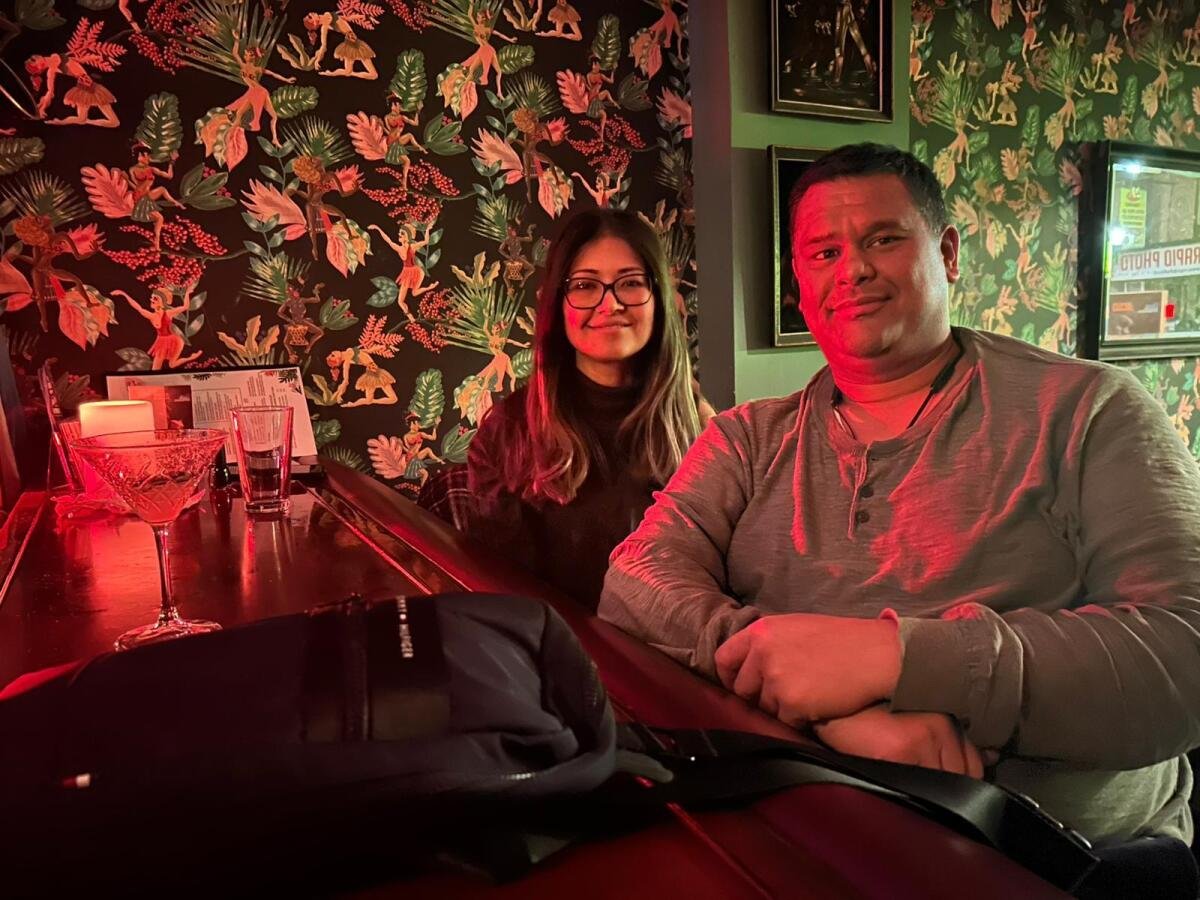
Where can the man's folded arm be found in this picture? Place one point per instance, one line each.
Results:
(667, 582)
(1115, 681)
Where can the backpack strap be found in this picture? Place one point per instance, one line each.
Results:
(714, 766)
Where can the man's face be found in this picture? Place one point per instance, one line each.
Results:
(873, 275)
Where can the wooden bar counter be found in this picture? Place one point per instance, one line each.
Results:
(68, 589)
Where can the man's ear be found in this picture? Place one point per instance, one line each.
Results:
(949, 247)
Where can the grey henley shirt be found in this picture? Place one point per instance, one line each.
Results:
(1037, 532)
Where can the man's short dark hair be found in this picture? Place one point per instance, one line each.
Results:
(862, 160)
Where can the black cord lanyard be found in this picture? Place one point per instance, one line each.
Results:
(939, 382)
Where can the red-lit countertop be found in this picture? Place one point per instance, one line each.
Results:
(69, 589)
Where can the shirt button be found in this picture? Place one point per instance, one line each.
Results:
(862, 517)
(866, 492)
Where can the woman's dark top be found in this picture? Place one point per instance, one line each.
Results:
(565, 544)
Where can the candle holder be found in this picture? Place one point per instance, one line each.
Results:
(81, 501)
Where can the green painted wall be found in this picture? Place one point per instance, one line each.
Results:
(733, 129)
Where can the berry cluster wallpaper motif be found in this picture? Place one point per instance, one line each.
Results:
(1001, 93)
(365, 189)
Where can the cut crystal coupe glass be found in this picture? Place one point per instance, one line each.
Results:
(155, 472)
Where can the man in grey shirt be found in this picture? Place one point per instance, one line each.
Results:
(951, 548)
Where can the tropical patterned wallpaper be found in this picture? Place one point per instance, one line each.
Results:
(364, 189)
(1001, 92)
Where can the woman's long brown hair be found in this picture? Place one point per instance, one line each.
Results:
(557, 455)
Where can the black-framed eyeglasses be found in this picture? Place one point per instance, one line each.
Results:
(588, 293)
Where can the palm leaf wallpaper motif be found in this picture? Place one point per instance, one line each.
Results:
(364, 188)
(1001, 92)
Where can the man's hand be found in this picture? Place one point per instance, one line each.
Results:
(801, 667)
(931, 740)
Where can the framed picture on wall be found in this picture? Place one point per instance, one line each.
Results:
(1139, 252)
(832, 58)
(787, 164)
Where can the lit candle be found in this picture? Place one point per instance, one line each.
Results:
(110, 417)
(113, 416)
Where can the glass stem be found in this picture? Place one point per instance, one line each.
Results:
(167, 613)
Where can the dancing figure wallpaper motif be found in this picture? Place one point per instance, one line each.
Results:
(1001, 98)
(365, 188)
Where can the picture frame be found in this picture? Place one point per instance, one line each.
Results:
(832, 58)
(787, 165)
(1139, 252)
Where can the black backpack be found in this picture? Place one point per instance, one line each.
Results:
(380, 739)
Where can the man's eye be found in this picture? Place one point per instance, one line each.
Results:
(887, 239)
(827, 253)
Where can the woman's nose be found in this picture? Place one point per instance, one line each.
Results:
(608, 300)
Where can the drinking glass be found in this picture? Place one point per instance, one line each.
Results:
(263, 437)
(155, 472)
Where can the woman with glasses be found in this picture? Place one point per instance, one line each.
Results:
(562, 470)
